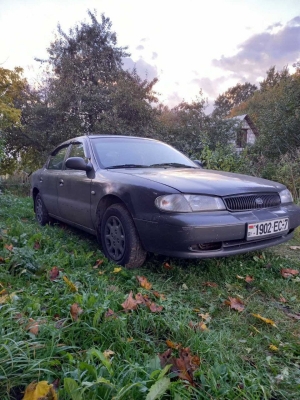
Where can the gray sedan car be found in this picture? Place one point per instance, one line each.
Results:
(140, 195)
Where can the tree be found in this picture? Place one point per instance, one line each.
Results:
(275, 109)
(11, 86)
(232, 97)
(89, 81)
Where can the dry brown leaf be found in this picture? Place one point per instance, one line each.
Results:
(154, 307)
(9, 247)
(2, 260)
(235, 303)
(210, 284)
(32, 327)
(108, 353)
(295, 247)
(249, 279)
(3, 291)
(110, 314)
(40, 391)
(6, 297)
(183, 366)
(159, 295)
(167, 266)
(200, 326)
(289, 273)
(144, 282)
(37, 245)
(206, 317)
(173, 345)
(140, 299)
(294, 316)
(130, 303)
(53, 273)
(265, 320)
(98, 263)
(282, 299)
(75, 311)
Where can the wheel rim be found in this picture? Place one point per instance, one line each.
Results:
(114, 238)
(39, 210)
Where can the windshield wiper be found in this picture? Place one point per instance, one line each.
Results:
(127, 166)
(176, 165)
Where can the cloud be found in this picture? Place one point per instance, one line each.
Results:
(209, 86)
(144, 70)
(263, 50)
(154, 55)
(173, 100)
(140, 47)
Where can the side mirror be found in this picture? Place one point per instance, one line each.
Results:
(78, 163)
(199, 163)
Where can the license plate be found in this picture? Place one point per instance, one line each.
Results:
(267, 228)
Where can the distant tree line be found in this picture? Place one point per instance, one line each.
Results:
(86, 90)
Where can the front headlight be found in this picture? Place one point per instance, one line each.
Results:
(189, 203)
(286, 196)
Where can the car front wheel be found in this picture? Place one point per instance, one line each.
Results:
(41, 211)
(119, 237)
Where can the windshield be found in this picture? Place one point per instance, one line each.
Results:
(137, 153)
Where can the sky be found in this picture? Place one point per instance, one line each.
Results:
(188, 45)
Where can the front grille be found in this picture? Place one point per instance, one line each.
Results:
(252, 201)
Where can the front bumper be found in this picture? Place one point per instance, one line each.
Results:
(212, 234)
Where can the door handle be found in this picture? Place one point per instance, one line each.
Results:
(61, 182)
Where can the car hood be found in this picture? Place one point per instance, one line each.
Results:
(206, 181)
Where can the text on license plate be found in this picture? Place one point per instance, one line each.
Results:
(267, 227)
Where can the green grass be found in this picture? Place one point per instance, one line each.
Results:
(236, 360)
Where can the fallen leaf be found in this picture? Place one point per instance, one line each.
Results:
(140, 299)
(173, 345)
(240, 277)
(266, 320)
(167, 266)
(71, 285)
(295, 247)
(9, 247)
(37, 246)
(40, 391)
(200, 326)
(108, 353)
(144, 282)
(98, 263)
(184, 287)
(130, 303)
(273, 347)
(206, 317)
(110, 314)
(32, 327)
(289, 273)
(249, 279)
(235, 303)
(3, 291)
(282, 299)
(294, 316)
(183, 366)
(101, 272)
(130, 339)
(117, 270)
(159, 295)
(6, 297)
(53, 273)
(75, 311)
(154, 307)
(210, 284)
(2, 260)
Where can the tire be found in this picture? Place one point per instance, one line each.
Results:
(120, 241)
(41, 212)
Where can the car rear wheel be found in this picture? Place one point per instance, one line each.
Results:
(41, 211)
(119, 237)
